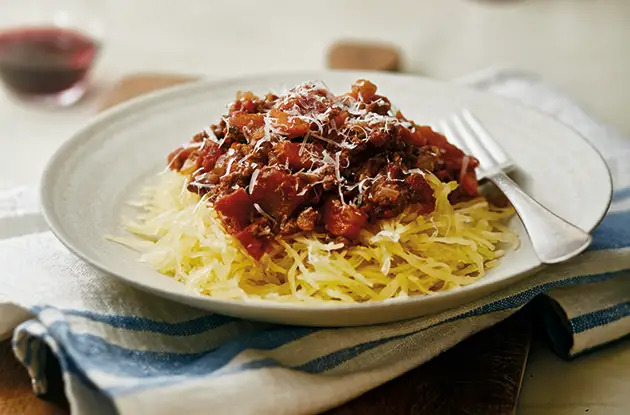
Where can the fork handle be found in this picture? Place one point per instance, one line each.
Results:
(553, 238)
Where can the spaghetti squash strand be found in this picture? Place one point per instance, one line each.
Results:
(412, 254)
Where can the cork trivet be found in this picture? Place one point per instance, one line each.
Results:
(364, 56)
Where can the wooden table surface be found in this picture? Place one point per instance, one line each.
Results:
(16, 395)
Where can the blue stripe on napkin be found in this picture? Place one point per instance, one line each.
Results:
(621, 194)
(159, 369)
(599, 317)
(613, 232)
(184, 328)
(92, 352)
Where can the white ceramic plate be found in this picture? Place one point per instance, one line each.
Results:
(87, 182)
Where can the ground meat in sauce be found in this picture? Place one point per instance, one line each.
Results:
(312, 161)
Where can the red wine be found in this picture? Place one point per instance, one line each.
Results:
(44, 60)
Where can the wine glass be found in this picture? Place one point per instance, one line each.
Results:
(47, 48)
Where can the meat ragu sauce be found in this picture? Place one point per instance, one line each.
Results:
(309, 160)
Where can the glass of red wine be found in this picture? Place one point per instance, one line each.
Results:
(47, 48)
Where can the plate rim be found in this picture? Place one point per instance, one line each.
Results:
(81, 135)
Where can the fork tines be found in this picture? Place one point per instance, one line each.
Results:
(465, 131)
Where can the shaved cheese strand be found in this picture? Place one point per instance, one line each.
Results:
(262, 212)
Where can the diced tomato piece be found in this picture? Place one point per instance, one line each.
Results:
(340, 118)
(468, 183)
(236, 209)
(243, 119)
(288, 152)
(245, 102)
(343, 220)
(255, 246)
(438, 140)
(472, 162)
(299, 156)
(245, 95)
(278, 193)
(189, 159)
(363, 90)
(292, 126)
(209, 155)
(419, 184)
(421, 193)
(379, 138)
(243, 105)
(413, 138)
(178, 157)
(393, 171)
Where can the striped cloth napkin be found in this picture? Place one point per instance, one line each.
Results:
(126, 351)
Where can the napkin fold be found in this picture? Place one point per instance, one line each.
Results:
(125, 351)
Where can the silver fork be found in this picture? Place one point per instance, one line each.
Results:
(553, 238)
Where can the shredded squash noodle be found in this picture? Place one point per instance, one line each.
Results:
(180, 235)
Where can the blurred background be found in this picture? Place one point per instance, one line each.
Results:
(581, 46)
